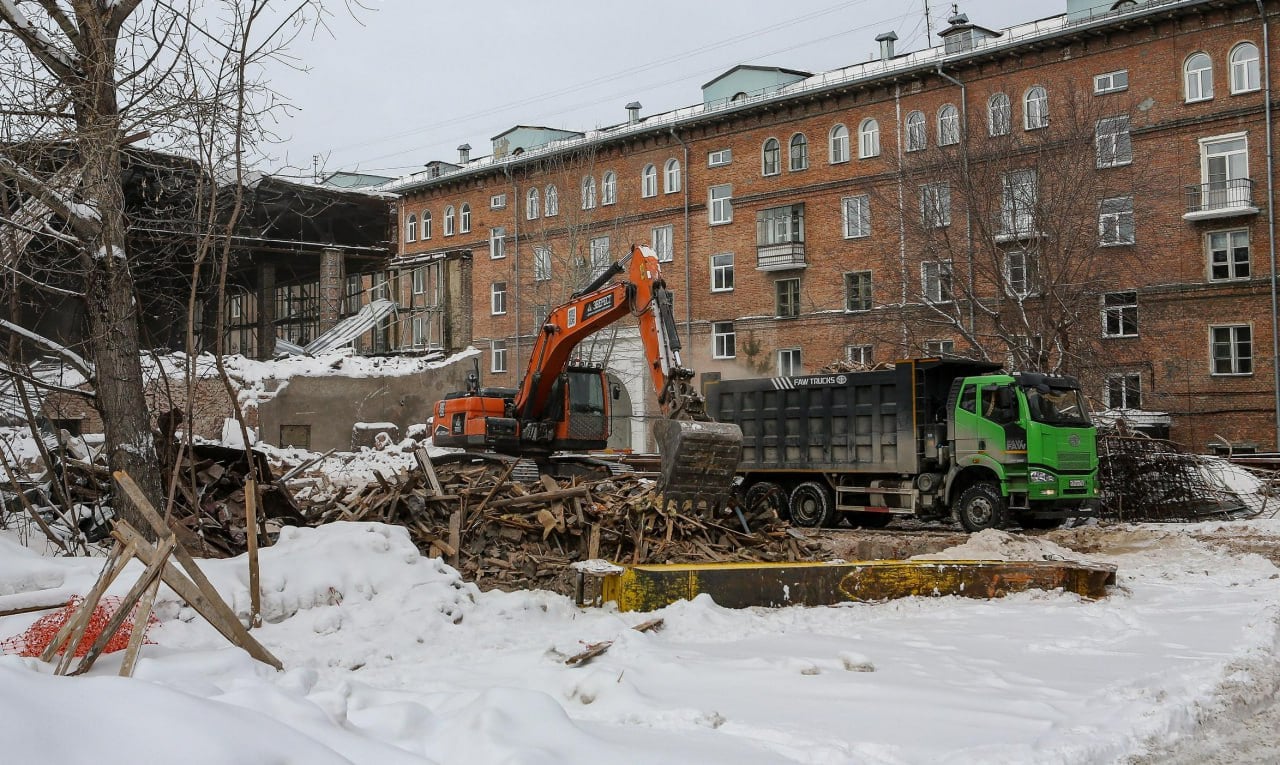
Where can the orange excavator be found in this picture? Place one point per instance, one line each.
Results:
(564, 407)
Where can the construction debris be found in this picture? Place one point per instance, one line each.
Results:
(1150, 479)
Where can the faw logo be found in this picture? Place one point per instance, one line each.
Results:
(1013, 444)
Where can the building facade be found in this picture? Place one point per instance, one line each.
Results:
(1087, 194)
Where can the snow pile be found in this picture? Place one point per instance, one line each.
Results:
(992, 544)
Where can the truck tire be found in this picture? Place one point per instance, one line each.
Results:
(981, 507)
(764, 498)
(811, 505)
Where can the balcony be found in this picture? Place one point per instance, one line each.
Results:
(780, 257)
(1220, 199)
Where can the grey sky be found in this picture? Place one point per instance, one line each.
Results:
(413, 79)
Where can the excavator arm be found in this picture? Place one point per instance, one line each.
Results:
(699, 457)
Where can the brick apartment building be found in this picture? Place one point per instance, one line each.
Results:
(1087, 193)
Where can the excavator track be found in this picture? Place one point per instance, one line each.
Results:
(699, 460)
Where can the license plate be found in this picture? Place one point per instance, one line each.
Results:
(1077, 483)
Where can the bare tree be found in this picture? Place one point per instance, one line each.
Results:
(81, 80)
(1013, 229)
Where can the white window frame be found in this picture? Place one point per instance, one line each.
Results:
(1117, 311)
(790, 362)
(937, 282)
(722, 272)
(649, 181)
(863, 355)
(497, 243)
(720, 208)
(1245, 72)
(664, 243)
(724, 340)
(1234, 342)
(917, 132)
(948, 125)
(498, 298)
(1035, 108)
(600, 256)
(426, 225)
(541, 264)
(411, 228)
(771, 157)
(1111, 82)
(497, 356)
(1019, 194)
(551, 202)
(838, 144)
(850, 277)
(464, 219)
(498, 202)
(935, 204)
(869, 138)
(588, 192)
(940, 349)
(1114, 224)
(999, 115)
(609, 188)
(855, 216)
(1229, 251)
(1197, 83)
(798, 160)
(671, 176)
(448, 220)
(719, 158)
(1020, 274)
(531, 204)
(1113, 147)
(793, 298)
(1126, 382)
(1207, 154)
(419, 278)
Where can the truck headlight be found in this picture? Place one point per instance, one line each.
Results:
(1040, 476)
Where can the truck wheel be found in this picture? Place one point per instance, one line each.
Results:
(764, 498)
(811, 505)
(981, 507)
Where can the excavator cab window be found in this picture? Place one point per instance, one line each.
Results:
(586, 393)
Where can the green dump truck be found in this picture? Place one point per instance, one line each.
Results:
(927, 438)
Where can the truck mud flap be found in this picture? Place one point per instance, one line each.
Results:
(699, 460)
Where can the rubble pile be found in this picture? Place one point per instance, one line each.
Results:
(1150, 479)
(507, 534)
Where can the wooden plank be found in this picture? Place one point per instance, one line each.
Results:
(545, 496)
(140, 620)
(152, 573)
(230, 628)
(593, 546)
(237, 634)
(455, 536)
(506, 474)
(117, 559)
(424, 462)
(251, 538)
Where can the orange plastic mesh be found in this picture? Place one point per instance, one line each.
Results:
(39, 635)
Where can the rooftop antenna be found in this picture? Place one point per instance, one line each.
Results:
(315, 168)
(928, 28)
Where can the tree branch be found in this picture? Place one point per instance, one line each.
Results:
(76, 360)
(37, 42)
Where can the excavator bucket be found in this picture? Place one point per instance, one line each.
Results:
(699, 460)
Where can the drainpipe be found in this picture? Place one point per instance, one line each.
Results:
(515, 265)
(902, 229)
(1271, 215)
(688, 278)
(964, 167)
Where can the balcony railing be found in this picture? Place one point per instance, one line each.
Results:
(780, 257)
(1220, 199)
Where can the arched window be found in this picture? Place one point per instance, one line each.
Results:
(426, 224)
(916, 137)
(649, 181)
(1198, 75)
(1244, 68)
(839, 141)
(671, 177)
(553, 201)
(868, 139)
(448, 221)
(588, 192)
(771, 157)
(609, 188)
(464, 222)
(531, 204)
(411, 228)
(998, 114)
(799, 152)
(1035, 108)
(948, 125)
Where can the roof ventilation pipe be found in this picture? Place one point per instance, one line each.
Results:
(464, 154)
(886, 40)
(633, 112)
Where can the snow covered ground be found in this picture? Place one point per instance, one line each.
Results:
(391, 658)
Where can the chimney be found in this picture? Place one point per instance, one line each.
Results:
(464, 154)
(633, 112)
(886, 40)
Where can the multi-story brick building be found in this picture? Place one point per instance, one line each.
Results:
(1088, 193)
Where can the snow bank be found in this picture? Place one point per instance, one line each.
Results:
(993, 544)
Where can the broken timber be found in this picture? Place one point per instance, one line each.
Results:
(742, 585)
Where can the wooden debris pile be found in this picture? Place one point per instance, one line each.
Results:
(505, 534)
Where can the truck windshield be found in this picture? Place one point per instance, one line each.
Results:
(1056, 406)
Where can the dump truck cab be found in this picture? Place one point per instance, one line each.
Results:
(1023, 447)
